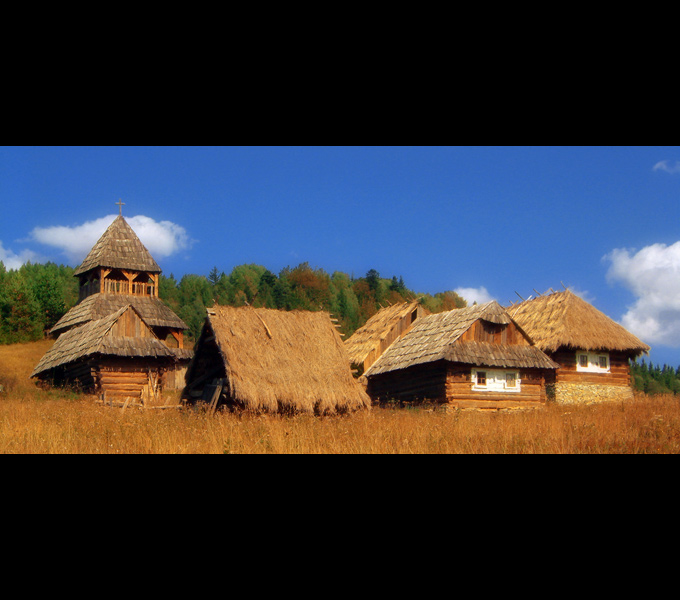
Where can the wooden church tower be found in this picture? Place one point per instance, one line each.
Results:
(120, 341)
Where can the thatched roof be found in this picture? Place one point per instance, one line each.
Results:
(279, 361)
(376, 330)
(562, 319)
(151, 309)
(119, 248)
(93, 338)
(437, 337)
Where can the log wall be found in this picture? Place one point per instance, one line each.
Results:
(417, 383)
(451, 384)
(575, 387)
(459, 392)
(619, 374)
(119, 381)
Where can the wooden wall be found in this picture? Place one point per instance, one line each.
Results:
(130, 325)
(459, 391)
(483, 331)
(80, 374)
(417, 383)
(567, 373)
(119, 380)
(451, 383)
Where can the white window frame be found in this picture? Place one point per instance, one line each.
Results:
(496, 381)
(593, 359)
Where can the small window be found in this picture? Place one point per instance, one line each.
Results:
(591, 362)
(495, 380)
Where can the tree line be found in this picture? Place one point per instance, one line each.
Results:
(32, 300)
(655, 379)
(352, 301)
(34, 297)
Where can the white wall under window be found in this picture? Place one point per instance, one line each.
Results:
(496, 380)
(592, 362)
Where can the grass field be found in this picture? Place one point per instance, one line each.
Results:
(34, 421)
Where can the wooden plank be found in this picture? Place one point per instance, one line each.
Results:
(216, 396)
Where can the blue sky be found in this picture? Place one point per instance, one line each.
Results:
(492, 220)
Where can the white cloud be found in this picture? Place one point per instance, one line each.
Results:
(479, 295)
(14, 261)
(668, 166)
(653, 276)
(162, 239)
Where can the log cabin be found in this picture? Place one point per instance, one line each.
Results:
(271, 361)
(369, 342)
(117, 357)
(119, 272)
(475, 357)
(592, 350)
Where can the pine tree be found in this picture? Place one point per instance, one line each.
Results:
(21, 314)
(214, 276)
(49, 294)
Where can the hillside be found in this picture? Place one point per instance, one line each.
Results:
(17, 362)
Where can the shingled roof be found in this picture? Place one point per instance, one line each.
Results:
(93, 338)
(97, 306)
(562, 319)
(119, 248)
(436, 337)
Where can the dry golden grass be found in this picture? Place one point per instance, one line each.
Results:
(34, 421)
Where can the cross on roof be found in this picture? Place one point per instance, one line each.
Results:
(120, 204)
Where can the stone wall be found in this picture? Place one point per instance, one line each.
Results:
(582, 393)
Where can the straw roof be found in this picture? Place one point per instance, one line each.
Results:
(562, 319)
(119, 248)
(93, 338)
(152, 310)
(279, 361)
(437, 337)
(375, 331)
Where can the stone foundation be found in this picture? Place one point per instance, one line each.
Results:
(584, 393)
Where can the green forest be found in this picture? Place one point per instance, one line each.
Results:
(34, 297)
(653, 379)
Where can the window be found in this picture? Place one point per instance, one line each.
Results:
(495, 381)
(593, 362)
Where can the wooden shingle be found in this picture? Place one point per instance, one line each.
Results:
(119, 248)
